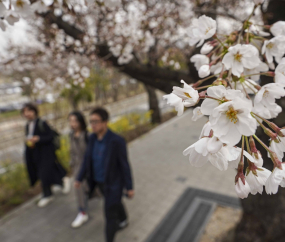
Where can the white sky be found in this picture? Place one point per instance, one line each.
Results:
(17, 35)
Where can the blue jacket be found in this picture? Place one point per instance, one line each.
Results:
(117, 169)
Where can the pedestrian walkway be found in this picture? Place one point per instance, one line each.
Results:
(161, 175)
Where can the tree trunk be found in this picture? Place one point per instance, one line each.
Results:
(263, 217)
(153, 105)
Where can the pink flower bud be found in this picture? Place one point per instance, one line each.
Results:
(268, 132)
(277, 163)
(252, 145)
(202, 94)
(275, 128)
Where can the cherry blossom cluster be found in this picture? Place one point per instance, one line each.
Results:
(235, 102)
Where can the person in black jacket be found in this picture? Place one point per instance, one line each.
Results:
(106, 166)
(40, 154)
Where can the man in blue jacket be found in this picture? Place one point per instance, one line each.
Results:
(106, 166)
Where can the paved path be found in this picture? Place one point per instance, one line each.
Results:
(161, 174)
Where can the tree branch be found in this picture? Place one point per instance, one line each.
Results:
(160, 78)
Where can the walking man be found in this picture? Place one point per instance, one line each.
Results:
(106, 166)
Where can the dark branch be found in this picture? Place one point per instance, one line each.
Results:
(160, 78)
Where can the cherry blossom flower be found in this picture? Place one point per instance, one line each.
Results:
(245, 86)
(256, 176)
(3, 9)
(182, 97)
(201, 29)
(11, 17)
(257, 31)
(85, 72)
(262, 67)
(232, 119)
(278, 28)
(176, 102)
(39, 7)
(209, 149)
(197, 114)
(264, 101)
(188, 94)
(40, 83)
(216, 69)
(48, 2)
(2, 25)
(22, 7)
(280, 72)
(206, 48)
(236, 151)
(278, 146)
(199, 60)
(204, 71)
(240, 57)
(112, 3)
(242, 188)
(274, 48)
(125, 58)
(220, 93)
(26, 80)
(274, 180)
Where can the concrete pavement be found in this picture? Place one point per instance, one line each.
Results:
(161, 174)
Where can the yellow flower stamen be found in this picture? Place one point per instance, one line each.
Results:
(270, 45)
(187, 95)
(207, 30)
(232, 114)
(238, 57)
(19, 3)
(266, 93)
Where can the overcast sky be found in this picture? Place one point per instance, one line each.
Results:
(18, 34)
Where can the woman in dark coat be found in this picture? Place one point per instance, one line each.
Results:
(40, 154)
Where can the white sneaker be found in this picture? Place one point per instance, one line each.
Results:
(66, 185)
(123, 224)
(45, 201)
(79, 220)
(56, 189)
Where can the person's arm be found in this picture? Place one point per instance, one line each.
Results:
(46, 134)
(71, 151)
(83, 169)
(124, 164)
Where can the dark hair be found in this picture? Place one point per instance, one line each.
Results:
(30, 106)
(101, 112)
(80, 118)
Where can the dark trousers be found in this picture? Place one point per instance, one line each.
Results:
(46, 191)
(114, 214)
(39, 171)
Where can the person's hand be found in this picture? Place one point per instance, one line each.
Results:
(77, 184)
(35, 139)
(131, 193)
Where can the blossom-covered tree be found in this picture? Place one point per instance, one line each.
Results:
(238, 48)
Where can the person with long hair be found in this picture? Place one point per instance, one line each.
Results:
(40, 157)
(78, 143)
